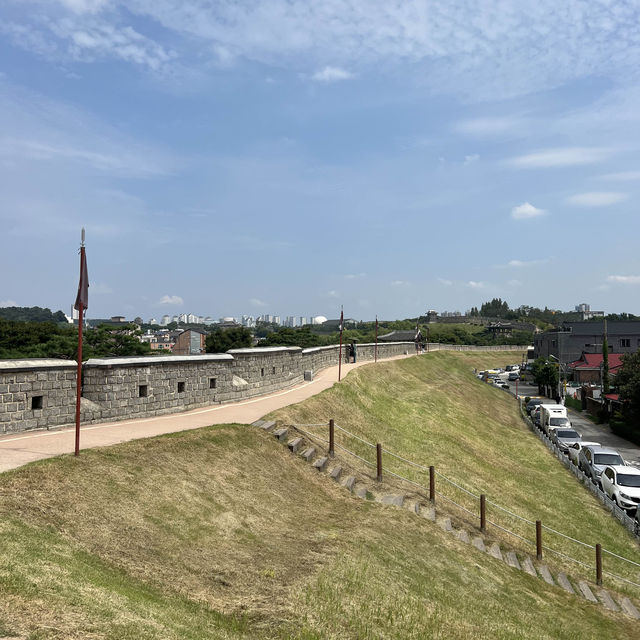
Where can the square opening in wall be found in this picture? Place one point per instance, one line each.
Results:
(143, 390)
(262, 371)
(213, 383)
(36, 402)
(273, 370)
(180, 387)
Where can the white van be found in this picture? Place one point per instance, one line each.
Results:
(553, 415)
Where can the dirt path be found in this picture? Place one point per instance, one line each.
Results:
(21, 448)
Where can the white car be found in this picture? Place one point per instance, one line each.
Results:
(574, 449)
(622, 485)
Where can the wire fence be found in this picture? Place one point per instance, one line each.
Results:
(466, 502)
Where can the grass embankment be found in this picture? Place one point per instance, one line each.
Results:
(221, 533)
(433, 410)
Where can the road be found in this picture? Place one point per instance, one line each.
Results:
(589, 429)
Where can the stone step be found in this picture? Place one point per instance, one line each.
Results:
(281, 434)
(361, 492)
(336, 472)
(563, 581)
(394, 500)
(585, 590)
(546, 574)
(628, 607)
(267, 426)
(308, 454)
(295, 444)
(257, 423)
(350, 482)
(512, 559)
(321, 463)
(445, 524)
(527, 565)
(415, 507)
(494, 551)
(429, 513)
(463, 536)
(478, 543)
(607, 600)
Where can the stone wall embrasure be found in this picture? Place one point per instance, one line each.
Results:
(40, 394)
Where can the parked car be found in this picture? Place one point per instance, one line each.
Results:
(532, 404)
(563, 438)
(535, 416)
(622, 485)
(514, 375)
(592, 460)
(574, 449)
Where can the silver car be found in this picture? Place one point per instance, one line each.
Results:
(592, 460)
(574, 449)
(563, 438)
(622, 485)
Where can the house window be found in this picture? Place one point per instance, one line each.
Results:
(143, 390)
(625, 342)
(36, 402)
(213, 383)
(180, 387)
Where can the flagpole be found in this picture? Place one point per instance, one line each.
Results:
(340, 353)
(376, 349)
(80, 306)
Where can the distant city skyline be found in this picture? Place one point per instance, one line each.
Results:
(266, 156)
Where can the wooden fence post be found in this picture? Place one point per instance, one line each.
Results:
(432, 484)
(598, 565)
(483, 513)
(379, 461)
(331, 439)
(539, 539)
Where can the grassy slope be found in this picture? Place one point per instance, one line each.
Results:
(434, 411)
(221, 533)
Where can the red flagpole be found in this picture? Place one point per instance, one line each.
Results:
(82, 302)
(79, 375)
(376, 349)
(340, 353)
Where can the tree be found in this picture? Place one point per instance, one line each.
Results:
(289, 337)
(110, 341)
(221, 340)
(605, 362)
(545, 375)
(628, 383)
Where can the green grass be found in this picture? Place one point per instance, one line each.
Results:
(222, 533)
(433, 410)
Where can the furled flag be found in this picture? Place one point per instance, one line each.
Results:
(82, 299)
(341, 327)
(418, 334)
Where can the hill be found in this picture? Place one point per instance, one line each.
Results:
(222, 533)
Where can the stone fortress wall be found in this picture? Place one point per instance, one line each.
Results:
(40, 393)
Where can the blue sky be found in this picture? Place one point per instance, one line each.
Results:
(287, 157)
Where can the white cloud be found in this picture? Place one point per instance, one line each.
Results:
(596, 198)
(622, 176)
(8, 303)
(445, 282)
(514, 283)
(561, 157)
(353, 276)
(399, 283)
(332, 294)
(525, 263)
(525, 211)
(256, 302)
(472, 284)
(331, 74)
(174, 300)
(624, 279)
(471, 159)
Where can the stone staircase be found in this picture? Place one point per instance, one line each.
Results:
(364, 488)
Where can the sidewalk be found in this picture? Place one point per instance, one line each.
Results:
(21, 448)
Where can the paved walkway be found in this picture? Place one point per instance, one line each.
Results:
(21, 448)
